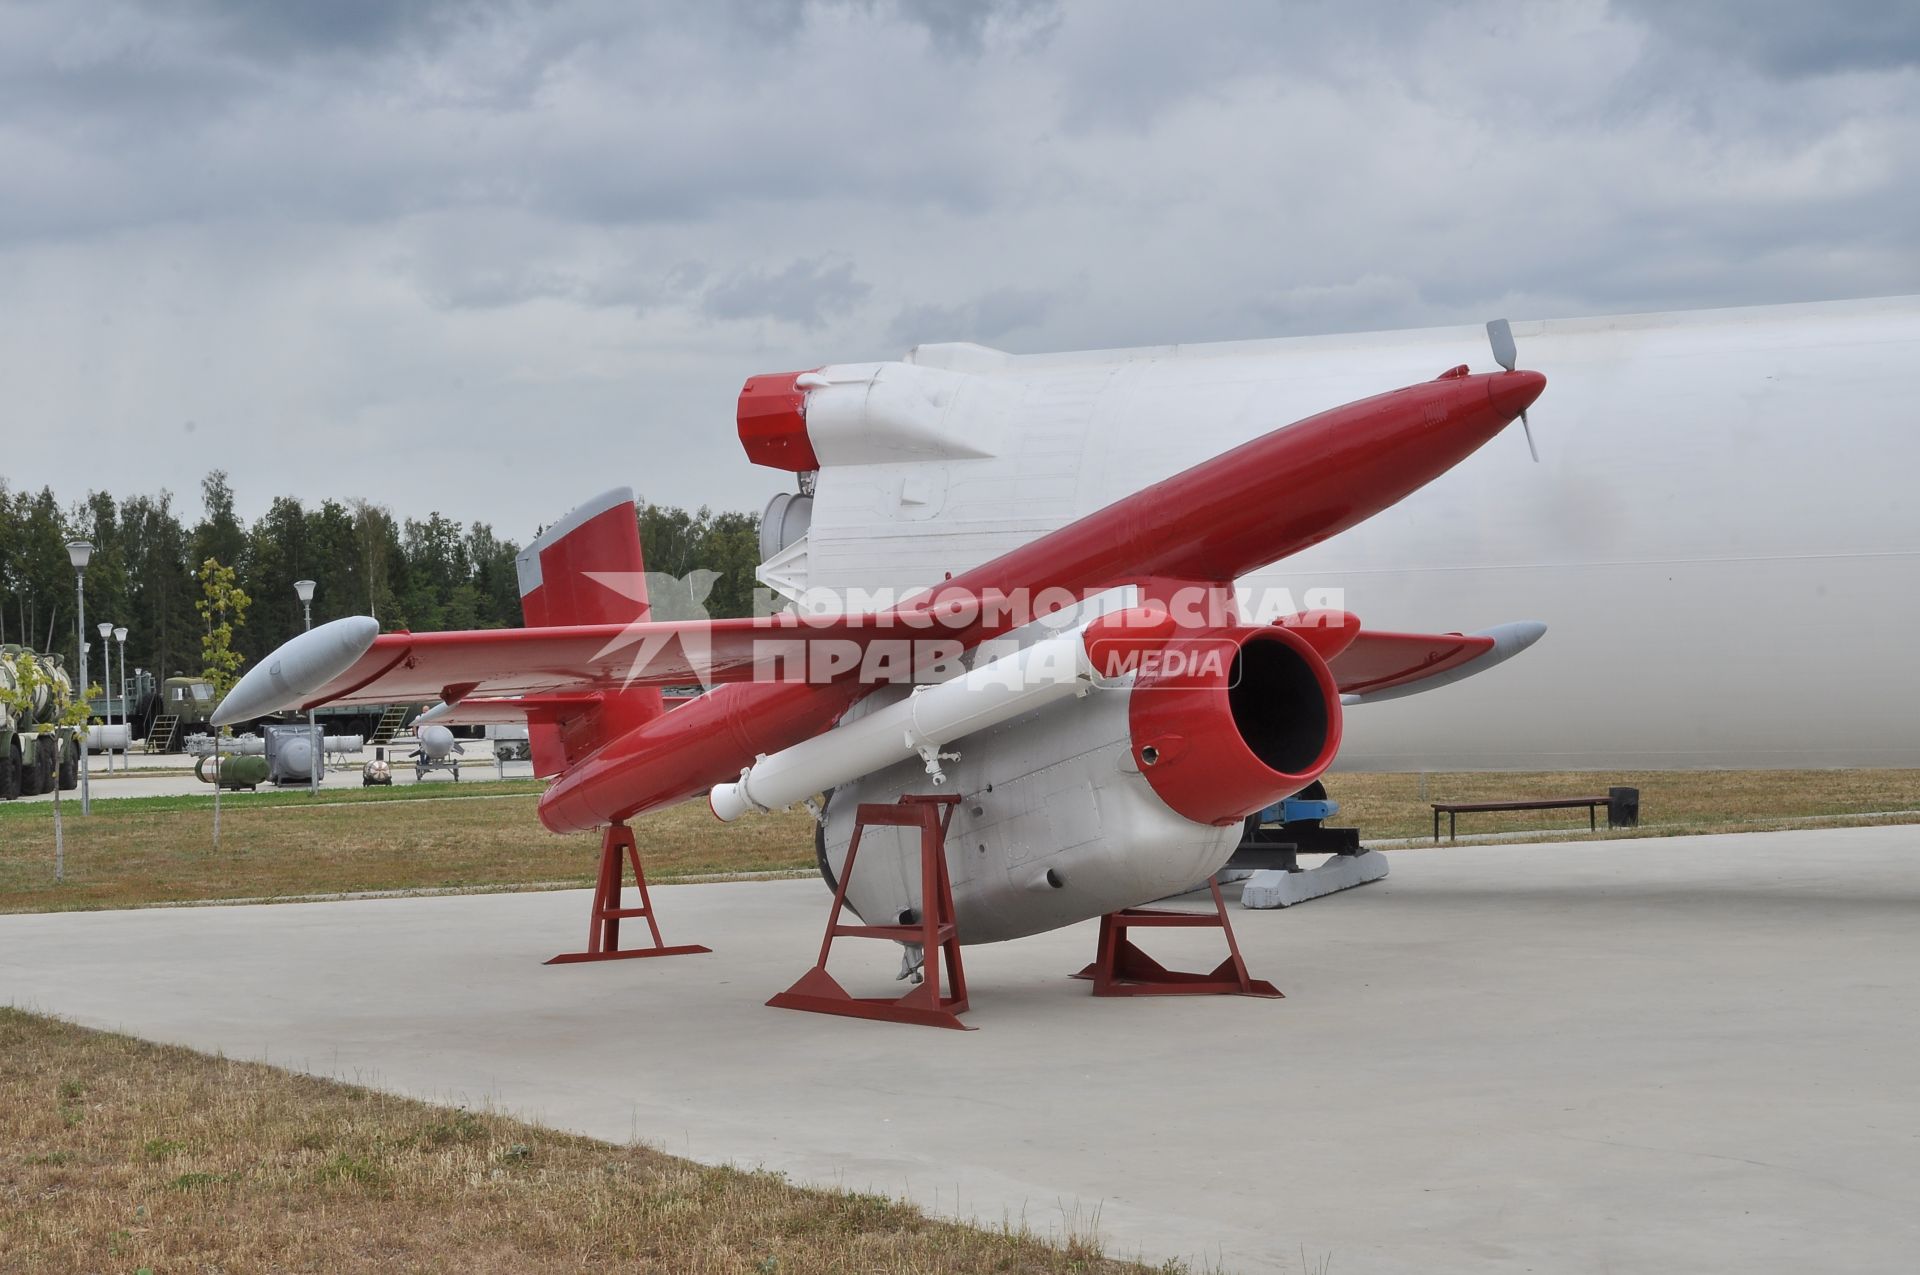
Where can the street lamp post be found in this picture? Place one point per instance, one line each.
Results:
(126, 717)
(80, 552)
(105, 629)
(304, 588)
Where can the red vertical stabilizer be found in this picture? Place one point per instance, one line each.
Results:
(586, 569)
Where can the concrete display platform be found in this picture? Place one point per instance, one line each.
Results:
(1689, 1054)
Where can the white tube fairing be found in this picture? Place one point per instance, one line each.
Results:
(1052, 669)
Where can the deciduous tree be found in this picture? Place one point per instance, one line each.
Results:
(223, 606)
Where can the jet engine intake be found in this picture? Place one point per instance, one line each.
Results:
(1229, 722)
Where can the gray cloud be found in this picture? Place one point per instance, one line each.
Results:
(985, 318)
(567, 229)
(355, 27)
(965, 26)
(1790, 38)
(803, 292)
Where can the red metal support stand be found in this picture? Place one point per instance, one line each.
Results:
(617, 851)
(819, 993)
(1121, 969)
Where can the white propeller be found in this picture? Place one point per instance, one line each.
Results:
(1500, 333)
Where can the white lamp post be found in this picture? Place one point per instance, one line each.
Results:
(304, 588)
(80, 552)
(126, 715)
(105, 629)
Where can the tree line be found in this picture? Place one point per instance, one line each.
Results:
(427, 574)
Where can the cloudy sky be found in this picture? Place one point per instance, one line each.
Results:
(487, 259)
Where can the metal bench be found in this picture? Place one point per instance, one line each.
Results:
(1454, 809)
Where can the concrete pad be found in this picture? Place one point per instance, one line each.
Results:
(1691, 1054)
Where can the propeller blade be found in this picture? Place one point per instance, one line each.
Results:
(1500, 333)
(1500, 336)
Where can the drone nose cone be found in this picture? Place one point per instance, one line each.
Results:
(1512, 393)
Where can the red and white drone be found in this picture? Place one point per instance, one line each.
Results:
(1067, 729)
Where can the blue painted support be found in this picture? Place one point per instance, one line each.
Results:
(1296, 809)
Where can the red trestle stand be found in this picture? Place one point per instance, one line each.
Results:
(1121, 969)
(617, 851)
(818, 992)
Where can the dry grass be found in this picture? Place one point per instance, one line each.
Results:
(486, 836)
(1671, 802)
(123, 858)
(127, 1156)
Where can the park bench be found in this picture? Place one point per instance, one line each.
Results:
(1623, 809)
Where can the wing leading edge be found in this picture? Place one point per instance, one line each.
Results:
(399, 668)
(347, 662)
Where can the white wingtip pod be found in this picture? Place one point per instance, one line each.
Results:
(298, 668)
(1508, 641)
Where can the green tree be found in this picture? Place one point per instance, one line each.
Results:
(223, 606)
(495, 577)
(436, 556)
(276, 556)
(219, 534)
(378, 539)
(678, 543)
(670, 538)
(334, 561)
(732, 548)
(160, 582)
(37, 575)
(148, 568)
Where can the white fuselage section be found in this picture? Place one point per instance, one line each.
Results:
(1055, 825)
(1720, 536)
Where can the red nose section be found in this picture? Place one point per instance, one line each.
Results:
(1512, 393)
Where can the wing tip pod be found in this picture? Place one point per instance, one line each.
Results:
(298, 667)
(1513, 637)
(1508, 641)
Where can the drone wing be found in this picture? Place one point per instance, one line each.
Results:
(350, 662)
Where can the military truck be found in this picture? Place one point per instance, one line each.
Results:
(129, 708)
(34, 692)
(165, 715)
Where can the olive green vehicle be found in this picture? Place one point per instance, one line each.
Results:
(32, 762)
(188, 700)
